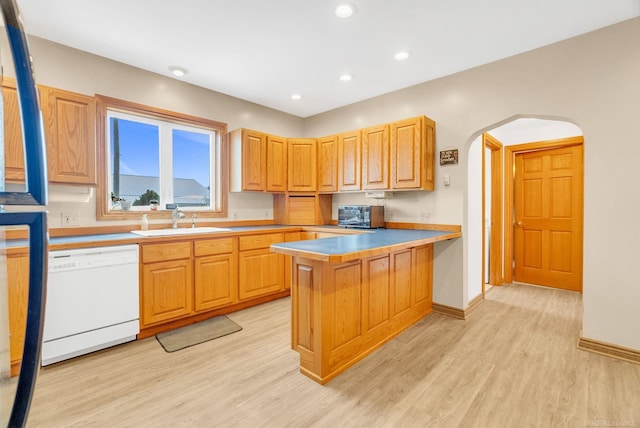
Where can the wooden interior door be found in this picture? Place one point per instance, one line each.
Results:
(492, 259)
(548, 217)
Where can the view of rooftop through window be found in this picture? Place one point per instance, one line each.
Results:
(155, 160)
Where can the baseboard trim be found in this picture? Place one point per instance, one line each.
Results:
(473, 305)
(449, 311)
(461, 314)
(609, 350)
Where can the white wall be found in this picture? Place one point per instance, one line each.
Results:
(591, 81)
(73, 70)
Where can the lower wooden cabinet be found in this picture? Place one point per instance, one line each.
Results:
(166, 283)
(18, 284)
(260, 271)
(187, 281)
(216, 273)
(341, 312)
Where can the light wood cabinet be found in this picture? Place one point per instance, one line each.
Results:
(292, 237)
(260, 271)
(13, 147)
(302, 209)
(248, 161)
(375, 157)
(276, 164)
(216, 273)
(343, 311)
(412, 154)
(167, 282)
(186, 281)
(349, 152)
(328, 164)
(258, 162)
(69, 126)
(302, 164)
(18, 284)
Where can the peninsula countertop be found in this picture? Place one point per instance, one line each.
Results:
(352, 247)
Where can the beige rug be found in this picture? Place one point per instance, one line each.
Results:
(193, 334)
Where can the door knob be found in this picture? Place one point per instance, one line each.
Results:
(518, 224)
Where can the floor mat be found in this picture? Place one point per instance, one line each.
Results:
(194, 334)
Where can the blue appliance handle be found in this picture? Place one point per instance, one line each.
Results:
(31, 118)
(38, 267)
(35, 194)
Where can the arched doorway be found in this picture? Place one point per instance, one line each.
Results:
(514, 131)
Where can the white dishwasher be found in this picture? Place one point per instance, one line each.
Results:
(92, 301)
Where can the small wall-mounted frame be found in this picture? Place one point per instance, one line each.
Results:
(449, 157)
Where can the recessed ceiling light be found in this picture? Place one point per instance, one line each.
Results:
(296, 97)
(345, 10)
(347, 77)
(402, 55)
(178, 71)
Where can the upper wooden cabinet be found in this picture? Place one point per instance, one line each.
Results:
(302, 166)
(328, 164)
(349, 161)
(392, 156)
(375, 157)
(412, 153)
(13, 148)
(248, 161)
(69, 126)
(276, 164)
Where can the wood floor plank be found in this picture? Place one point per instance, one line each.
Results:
(514, 362)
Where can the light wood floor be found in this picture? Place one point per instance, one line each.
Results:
(513, 363)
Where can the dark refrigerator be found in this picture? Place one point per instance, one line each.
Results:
(23, 209)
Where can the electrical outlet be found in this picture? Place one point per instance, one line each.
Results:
(235, 215)
(266, 214)
(389, 214)
(70, 219)
(425, 217)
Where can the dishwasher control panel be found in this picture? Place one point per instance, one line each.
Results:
(90, 258)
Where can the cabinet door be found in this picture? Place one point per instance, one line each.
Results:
(375, 157)
(69, 123)
(216, 281)
(18, 281)
(409, 157)
(13, 147)
(302, 170)
(328, 164)
(276, 164)
(254, 170)
(166, 291)
(261, 273)
(349, 161)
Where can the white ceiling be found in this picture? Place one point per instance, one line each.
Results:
(265, 50)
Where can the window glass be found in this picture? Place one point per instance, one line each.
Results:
(191, 168)
(154, 160)
(135, 161)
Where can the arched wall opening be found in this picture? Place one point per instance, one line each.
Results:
(514, 130)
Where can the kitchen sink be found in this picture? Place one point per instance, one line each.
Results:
(180, 231)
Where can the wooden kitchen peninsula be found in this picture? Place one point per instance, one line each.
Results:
(353, 293)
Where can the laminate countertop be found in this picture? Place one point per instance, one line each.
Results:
(352, 247)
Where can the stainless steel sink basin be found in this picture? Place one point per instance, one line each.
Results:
(180, 231)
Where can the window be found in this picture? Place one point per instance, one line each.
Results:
(152, 155)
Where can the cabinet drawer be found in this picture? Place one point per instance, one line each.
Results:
(213, 246)
(260, 241)
(164, 252)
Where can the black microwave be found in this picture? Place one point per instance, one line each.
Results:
(361, 216)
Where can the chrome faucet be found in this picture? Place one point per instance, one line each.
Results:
(193, 220)
(175, 215)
